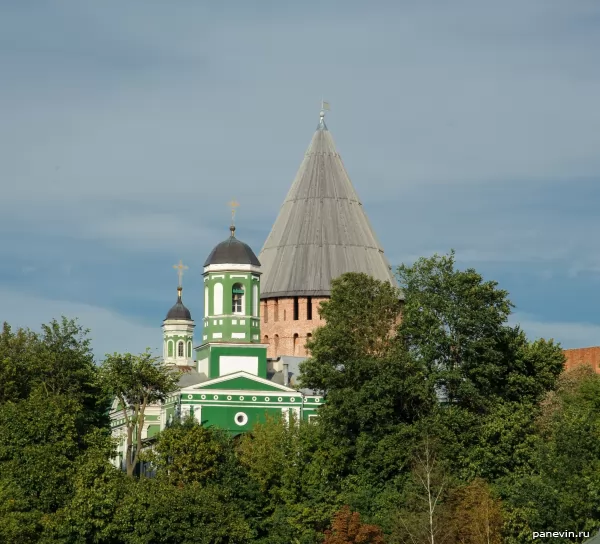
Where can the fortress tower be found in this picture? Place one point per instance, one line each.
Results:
(321, 232)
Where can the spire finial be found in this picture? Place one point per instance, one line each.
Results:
(180, 268)
(324, 107)
(233, 205)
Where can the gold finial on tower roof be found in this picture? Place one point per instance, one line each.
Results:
(180, 268)
(233, 205)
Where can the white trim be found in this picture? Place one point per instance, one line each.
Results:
(206, 295)
(218, 298)
(255, 300)
(245, 276)
(219, 276)
(238, 344)
(242, 374)
(194, 389)
(230, 267)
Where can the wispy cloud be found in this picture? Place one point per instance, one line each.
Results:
(110, 331)
(569, 334)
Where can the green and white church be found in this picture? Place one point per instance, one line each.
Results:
(230, 383)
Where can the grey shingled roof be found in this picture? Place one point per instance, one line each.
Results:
(322, 230)
(232, 251)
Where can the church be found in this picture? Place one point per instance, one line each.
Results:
(260, 311)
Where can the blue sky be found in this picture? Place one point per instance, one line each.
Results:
(126, 127)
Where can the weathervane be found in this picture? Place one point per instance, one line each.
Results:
(324, 107)
(180, 268)
(233, 205)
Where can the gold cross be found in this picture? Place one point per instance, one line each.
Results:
(233, 205)
(180, 268)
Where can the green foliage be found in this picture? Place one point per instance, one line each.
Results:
(187, 452)
(454, 323)
(296, 476)
(371, 384)
(136, 381)
(154, 511)
(58, 360)
(402, 462)
(563, 486)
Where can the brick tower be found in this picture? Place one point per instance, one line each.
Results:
(321, 232)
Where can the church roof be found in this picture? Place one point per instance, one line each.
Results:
(178, 311)
(232, 251)
(322, 230)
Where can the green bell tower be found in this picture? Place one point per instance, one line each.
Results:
(231, 334)
(178, 330)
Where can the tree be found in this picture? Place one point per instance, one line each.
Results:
(297, 478)
(59, 360)
(346, 528)
(476, 514)
(562, 486)
(153, 510)
(455, 323)
(424, 516)
(137, 381)
(40, 444)
(370, 382)
(187, 452)
(51, 407)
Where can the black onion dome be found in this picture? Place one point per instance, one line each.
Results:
(179, 311)
(232, 251)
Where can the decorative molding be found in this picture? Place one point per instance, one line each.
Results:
(229, 267)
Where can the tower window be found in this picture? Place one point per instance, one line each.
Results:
(237, 298)
(295, 343)
(296, 308)
(309, 308)
(276, 310)
(266, 312)
(180, 349)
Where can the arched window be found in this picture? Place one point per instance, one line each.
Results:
(295, 343)
(266, 312)
(237, 298)
(180, 349)
(218, 299)
(206, 301)
(189, 349)
(276, 342)
(276, 310)
(266, 340)
(170, 348)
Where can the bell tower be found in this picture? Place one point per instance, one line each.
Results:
(231, 333)
(178, 330)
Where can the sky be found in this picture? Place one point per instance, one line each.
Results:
(127, 127)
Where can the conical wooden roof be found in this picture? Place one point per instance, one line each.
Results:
(322, 230)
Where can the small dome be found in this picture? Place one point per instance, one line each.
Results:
(232, 251)
(179, 311)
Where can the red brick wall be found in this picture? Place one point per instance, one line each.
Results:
(583, 356)
(279, 329)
